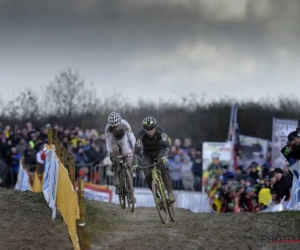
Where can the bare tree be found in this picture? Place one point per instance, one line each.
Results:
(24, 107)
(67, 95)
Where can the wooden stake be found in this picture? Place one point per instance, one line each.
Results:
(71, 170)
(84, 239)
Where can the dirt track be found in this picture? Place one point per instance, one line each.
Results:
(25, 223)
(113, 228)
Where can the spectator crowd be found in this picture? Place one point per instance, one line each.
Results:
(258, 187)
(88, 149)
(230, 191)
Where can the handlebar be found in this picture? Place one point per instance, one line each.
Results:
(149, 166)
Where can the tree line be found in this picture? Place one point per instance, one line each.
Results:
(69, 101)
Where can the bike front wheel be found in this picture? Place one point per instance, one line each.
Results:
(160, 202)
(129, 191)
(171, 211)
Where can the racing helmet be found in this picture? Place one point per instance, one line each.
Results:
(149, 123)
(114, 119)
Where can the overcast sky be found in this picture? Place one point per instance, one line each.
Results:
(152, 49)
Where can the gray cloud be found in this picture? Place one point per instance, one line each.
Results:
(162, 42)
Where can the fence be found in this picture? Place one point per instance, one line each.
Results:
(102, 174)
(56, 179)
(69, 203)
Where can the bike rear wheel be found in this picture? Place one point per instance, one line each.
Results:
(129, 191)
(122, 195)
(161, 205)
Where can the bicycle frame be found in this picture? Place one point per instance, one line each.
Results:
(156, 175)
(126, 187)
(123, 169)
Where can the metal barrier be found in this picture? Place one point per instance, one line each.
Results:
(103, 175)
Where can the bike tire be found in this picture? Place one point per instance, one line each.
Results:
(129, 191)
(164, 217)
(122, 200)
(171, 211)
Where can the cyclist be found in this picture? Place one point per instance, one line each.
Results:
(119, 140)
(155, 145)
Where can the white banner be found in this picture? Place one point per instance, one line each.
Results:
(197, 202)
(295, 193)
(46, 181)
(144, 197)
(216, 153)
(51, 180)
(96, 195)
(281, 130)
(19, 182)
(23, 179)
(96, 192)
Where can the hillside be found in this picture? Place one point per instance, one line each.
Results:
(25, 220)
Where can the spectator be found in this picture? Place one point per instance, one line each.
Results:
(101, 143)
(282, 185)
(30, 156)
(187, 144)
(173, 152)
(21, 146)
(192, 154)
(226, 174)
(253, 171)
(187, 176)
(40, 156)
(240, 171)
(15, 163)
(177, 144)
(264, 195)
(197, 170)
(175, 169)
(80, 156)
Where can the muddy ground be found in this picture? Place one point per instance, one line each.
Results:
(25, 223)
(113, 228)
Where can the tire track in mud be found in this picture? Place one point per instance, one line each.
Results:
(143, 229)
(26, 223)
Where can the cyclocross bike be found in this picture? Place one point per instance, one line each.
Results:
(126, 188)
(163, 205)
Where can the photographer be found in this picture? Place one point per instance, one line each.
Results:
(292, 150)
(281, 185)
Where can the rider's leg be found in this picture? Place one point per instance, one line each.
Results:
(148, 160)
(166, 177)
(115, 148)
(126, 150)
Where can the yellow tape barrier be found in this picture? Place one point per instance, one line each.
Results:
(67, 201)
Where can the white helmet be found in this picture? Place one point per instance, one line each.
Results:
(114, 119)
(215, 155)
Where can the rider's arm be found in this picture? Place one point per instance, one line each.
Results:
(108, 139)
(138, 147)
(165, 141)
(129, 133)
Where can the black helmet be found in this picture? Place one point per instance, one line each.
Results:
(149, 123)
(292, 136)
